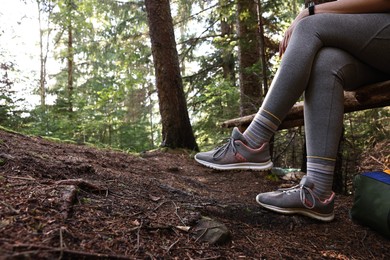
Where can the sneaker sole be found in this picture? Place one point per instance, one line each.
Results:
(305, 212)
(238, 166)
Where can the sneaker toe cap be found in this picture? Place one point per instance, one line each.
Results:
(204, 156)
(266, 197)
(276, 198)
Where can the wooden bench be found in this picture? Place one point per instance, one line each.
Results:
(370, 96)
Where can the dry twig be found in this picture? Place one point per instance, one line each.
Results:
(10, 207)
(71, 254)
(173, 244)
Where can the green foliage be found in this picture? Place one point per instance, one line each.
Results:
(10, 115)
(368, 127)
(110, 103)
(217, 102)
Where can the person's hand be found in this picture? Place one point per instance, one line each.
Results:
(287, 35)
(286, 38)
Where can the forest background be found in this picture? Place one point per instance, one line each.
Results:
(94, 77)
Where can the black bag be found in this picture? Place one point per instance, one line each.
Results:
(372, 201)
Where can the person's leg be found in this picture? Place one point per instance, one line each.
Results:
(365, 36)
(333, 70)
(324, 108)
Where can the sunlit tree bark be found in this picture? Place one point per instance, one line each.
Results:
(263, 57)
(43, 8)
(70, 56)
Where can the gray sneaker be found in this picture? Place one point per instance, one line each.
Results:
(299, 199)
(236, 155)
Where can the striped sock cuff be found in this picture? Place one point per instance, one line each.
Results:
(320, 168)
(267, 123)
(320, 158)
(263, 126)
(321, 174)
(272, 115)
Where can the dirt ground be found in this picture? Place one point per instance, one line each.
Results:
(67, 201)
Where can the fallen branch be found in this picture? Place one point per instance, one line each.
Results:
(371, 96)
(69, 194)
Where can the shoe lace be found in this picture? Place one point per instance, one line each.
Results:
(222, 150)
(304, 193)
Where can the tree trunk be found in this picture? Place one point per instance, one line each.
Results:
(43, 58)
(70, 58)
(262, 48)
(176, 126)
(248, 57)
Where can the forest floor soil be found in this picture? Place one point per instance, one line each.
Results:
(69, 201)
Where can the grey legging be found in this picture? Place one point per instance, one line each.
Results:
(326, 54)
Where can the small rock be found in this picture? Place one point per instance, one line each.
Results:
(211, 231)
